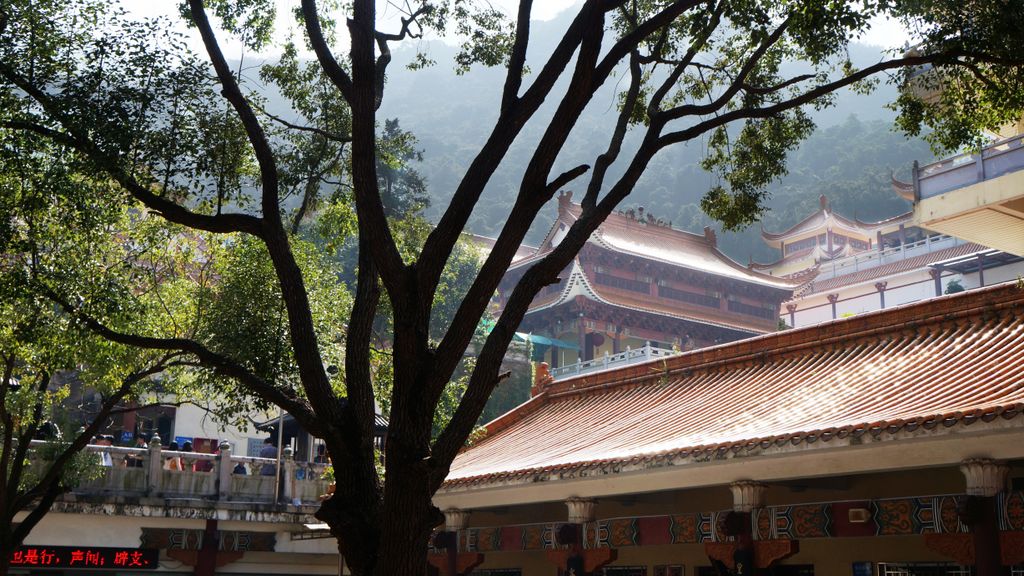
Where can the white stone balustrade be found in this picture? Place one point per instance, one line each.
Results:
(208, 477)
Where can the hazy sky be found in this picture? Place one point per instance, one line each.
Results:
(887, 34)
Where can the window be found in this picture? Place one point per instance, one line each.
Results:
(625, 571)
(859, 244)
(623, 283)
(751, 310)
(709, 301)
(784, 570)
(800, 245)
(922, 569)
(669, 570)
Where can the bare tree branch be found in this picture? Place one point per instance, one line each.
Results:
(8, 423)
(517, 59)
(339, 138)
(776, 87)
(605, 160)
(805, 98)
(442, 238)
(253, 130)
(383, 44)
(369, 206)
(171, 211)
(315, 33)
(736, 85)
(219, 363)
(48, 487)
(679, 67)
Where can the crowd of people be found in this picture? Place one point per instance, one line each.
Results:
(179, 461)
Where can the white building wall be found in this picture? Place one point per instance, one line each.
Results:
(194, 422)
(1008, 273)
(860, 298)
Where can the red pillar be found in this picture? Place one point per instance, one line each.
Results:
(206, 562)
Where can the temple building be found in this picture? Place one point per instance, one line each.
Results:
(827, 236)
(886, 444)
(640, 284)
(847, 266)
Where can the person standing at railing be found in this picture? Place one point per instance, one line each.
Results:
(269, 450)
(134, 460)
(186, 447)
(104, 455)
(174, 462)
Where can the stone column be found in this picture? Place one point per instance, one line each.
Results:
(791, 308)
(224, 470)
(155, 466)
(985, 479)
(880, 286)
(572, 556)
(832, 299)
(455, 521)
(581, 510)
(289, 475)
(746, 495)
(936, 274)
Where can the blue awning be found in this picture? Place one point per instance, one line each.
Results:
(545, 341)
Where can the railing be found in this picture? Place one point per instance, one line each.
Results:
(873, 259)
(964, 170)
(609, 361)
(149, 472)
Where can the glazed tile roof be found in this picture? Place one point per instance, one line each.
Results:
(485, 244)
(826, 218)
(655, 241)
(948, 360)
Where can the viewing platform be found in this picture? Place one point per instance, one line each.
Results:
(611, 361)
(977, 196)
(139, 477)
(873, 259)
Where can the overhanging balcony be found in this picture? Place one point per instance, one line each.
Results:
(204, 480)
(976, 196)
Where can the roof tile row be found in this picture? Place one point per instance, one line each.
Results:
(947, 361)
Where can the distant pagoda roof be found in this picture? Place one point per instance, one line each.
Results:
(578, 285)
(642, 236)
(904, 190)
(825, 219)
(485, 244)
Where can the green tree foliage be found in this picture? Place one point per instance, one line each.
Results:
(183, 143)
(57, 223)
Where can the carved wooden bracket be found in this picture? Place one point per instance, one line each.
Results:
(766, 552)
(464, 562)
(960, 547)
(593, 559)
(191, 557)
(1012, 547)
(956, 547)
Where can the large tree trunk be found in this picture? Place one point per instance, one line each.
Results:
(395, 543)
(6, 549)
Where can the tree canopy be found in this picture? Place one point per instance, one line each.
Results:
(182, 140)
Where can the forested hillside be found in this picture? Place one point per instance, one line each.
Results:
(848, 159)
